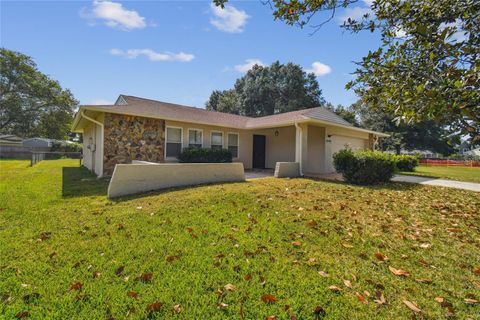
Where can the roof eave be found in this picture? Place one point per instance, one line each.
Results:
(376, 133)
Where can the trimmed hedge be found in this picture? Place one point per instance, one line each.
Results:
(204, 155)
(406, 162)
(365, 167)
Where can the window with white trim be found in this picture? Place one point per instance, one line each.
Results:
(233, 144)
(195, 138)
(216, 140)
(174, 142)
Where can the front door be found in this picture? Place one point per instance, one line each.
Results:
(258, 151)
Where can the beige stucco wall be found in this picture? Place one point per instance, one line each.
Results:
(93, 160)
(136, 178)
(315, 150)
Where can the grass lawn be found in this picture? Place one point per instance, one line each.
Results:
(268, 247)
(452, 173)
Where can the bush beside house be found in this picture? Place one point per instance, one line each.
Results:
(205, 155)
(406, 162)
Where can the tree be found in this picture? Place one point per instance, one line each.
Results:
(428, 66)
(269, 90)
(423, 135)
(32, 104)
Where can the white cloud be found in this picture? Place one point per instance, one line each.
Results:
(229, 19)
(115, 15)
(355, 13)
(101, 102)
(249, 63)
(319, 69)
(368, 2)
(153, 55)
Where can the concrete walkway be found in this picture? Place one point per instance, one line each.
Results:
(438, 182)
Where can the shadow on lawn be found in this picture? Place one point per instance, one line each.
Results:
(79, 182)
(393, 185)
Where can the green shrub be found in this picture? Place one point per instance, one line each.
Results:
(204, 155)
(406, 162)
(364, 167)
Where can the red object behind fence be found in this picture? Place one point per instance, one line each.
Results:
(450, 163)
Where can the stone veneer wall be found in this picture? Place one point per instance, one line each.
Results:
(128, 138)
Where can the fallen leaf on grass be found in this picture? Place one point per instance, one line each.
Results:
(146, 277)
(346, 245)
(439, 299)
(177, 309)
(44, 236)
(5, 297)
(399, 272)
(412, 306)
(347, 283)
(268, 298)
(319, 311)
(323, 274)
(154, 307)
(230, 287)
(380, 256)
(248, 277)
(22, 314)
(271, 318)
(222, 306)
(334, 288)
(361, 298)
(312, 223)
(380, 298)
(76, 286)
(172, 258)
(296, 243)
(477, 270)
(119, 270)
(471, 301)
(30, 297)
(132, 294)
(96, 275)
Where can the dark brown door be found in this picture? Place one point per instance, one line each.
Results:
(258, 151)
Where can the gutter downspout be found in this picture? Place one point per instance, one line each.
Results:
(299, 140)
(83, 115)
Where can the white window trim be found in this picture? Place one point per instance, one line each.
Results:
(166, 139)
(238, 143)
(194, 129)
(223, 138)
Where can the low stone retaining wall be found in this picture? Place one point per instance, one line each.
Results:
(130, 179)
(287, 170)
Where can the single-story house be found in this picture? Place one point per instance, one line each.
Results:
(10, 140)
(148, 130)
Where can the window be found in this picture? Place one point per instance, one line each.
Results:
(174, 142)
(195, 138)
(233, 144)
(217, 140)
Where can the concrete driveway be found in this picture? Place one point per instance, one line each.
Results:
(438, 182)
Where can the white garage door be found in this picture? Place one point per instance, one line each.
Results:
(340, 142)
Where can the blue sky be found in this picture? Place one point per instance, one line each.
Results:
(176, 51)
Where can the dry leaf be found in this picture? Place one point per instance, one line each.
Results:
(380, 256)
(471, 301)
(172, 258)
(132, 294)
(154, 307)
(347, 283)
(380, 298)
(346, 245)
(30, 297)
(412, 306)
(268, 298)
(312, 223)
(477, 270)
(96, 275)
(296, 243)
(76, 286)
(334, 288)
(399, 272)
(146, 277)
(230, 287)
(439, 299)
(319, 311)
(323, 274)
(119, 270)
(361, 298)
(248, 277)
(222, 306)
(177, 309)
(271, 318)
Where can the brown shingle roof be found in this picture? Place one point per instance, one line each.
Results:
(156, 109)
